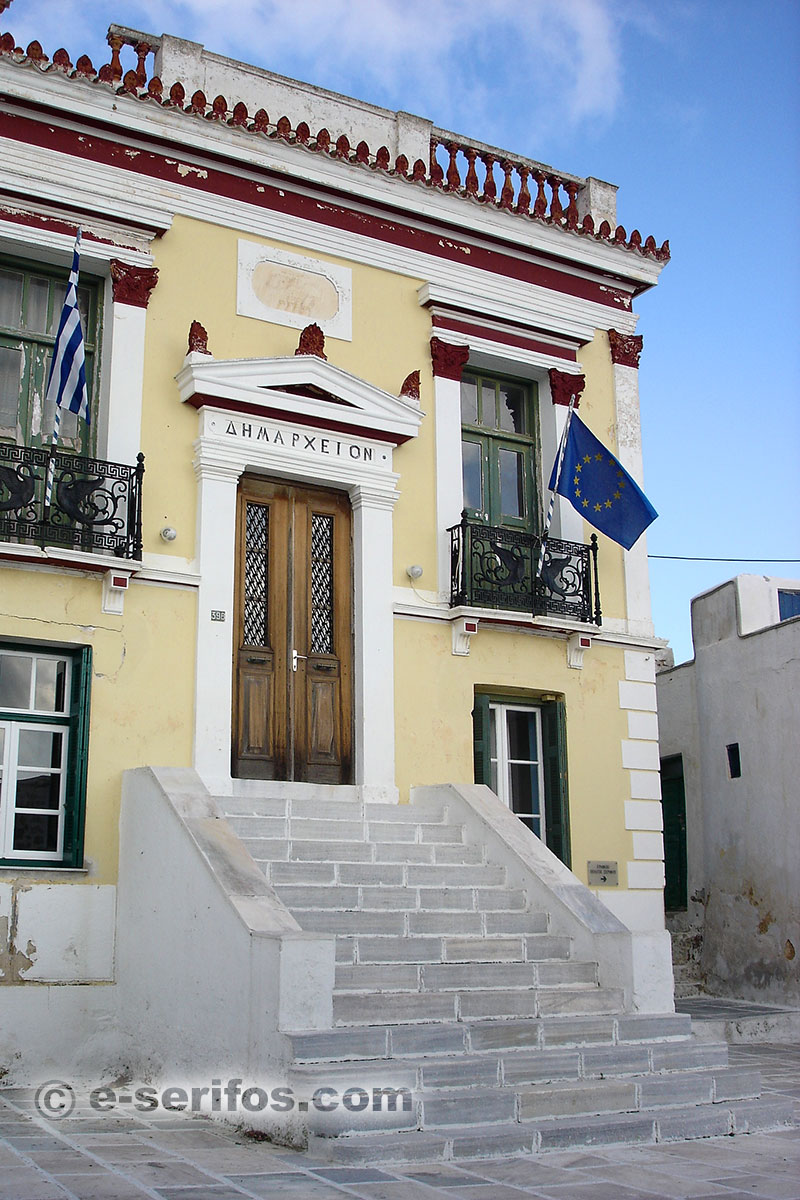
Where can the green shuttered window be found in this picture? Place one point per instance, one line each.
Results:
(44, 732)
(520, 752)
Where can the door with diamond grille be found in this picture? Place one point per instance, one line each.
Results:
(293, 654)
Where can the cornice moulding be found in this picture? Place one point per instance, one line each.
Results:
(241, 147)
(59, 179)
(546, 310)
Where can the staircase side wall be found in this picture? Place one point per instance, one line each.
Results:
(639, 963)
(211, 967)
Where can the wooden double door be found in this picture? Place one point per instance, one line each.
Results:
(293, 687)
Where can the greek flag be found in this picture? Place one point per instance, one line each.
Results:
(66, 386)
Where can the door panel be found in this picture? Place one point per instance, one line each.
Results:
(293, 714)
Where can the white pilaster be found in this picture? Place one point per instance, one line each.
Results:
(629, 452)
(449, 487)
(216, 523)
(374, 636)
(121, 432)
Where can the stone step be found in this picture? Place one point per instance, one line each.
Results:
(367, 948)
(318, 893)
(315, 828)
(369, 1008)
(317, 802)
(589, 1040)
(426, 863)
(464, 1070)
(504, 1136)
(462, 976)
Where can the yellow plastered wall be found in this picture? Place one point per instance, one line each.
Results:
(142, 688)
(434, 692)
(198, 266)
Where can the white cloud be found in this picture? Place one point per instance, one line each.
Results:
(491, 69)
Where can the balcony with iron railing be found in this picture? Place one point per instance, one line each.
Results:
(95, 506)
(495, 567)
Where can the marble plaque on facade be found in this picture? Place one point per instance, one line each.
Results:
(292, 289)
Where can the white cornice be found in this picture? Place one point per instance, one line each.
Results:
(56, 247)
(546, 310)
(144, 118)
(62, 180)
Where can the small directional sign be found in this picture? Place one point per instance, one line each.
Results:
(603, 874)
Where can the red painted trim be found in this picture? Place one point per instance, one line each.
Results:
(563, 386)
(280, 198)
(473, 329)
(201, 400)
(448, 361)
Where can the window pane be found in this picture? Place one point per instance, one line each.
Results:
(10, 375)
(473, 490)
(51, 679)
(469, 400)
(84, 300)
(524, 788)
(512, 492)
(38, 791)
(511, 408)
(40, 748)
(35, 831)
(36, 307)
(488, 405)
(522, 736)
(15, 681)
(10, 299)
(788, 605)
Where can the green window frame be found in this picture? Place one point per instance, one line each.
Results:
(499, 450)
(44, 736)
(31, 299)
(552, 758)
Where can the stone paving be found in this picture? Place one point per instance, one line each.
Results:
(165, 1156)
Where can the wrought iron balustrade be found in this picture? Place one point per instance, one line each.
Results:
(94, 505)
(495, 567)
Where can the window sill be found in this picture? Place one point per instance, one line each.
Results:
(75, 560)
(36, 872)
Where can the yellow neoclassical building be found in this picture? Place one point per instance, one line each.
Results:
(288, 611)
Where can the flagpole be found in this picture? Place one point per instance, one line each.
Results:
(66, 368)
(561, 452)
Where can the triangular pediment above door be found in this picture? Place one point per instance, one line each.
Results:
(304, 389)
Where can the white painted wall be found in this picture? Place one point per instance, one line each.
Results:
(743, 689)
(211, 967)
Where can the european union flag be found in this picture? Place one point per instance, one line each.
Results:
(599, 487)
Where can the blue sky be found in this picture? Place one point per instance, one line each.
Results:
(693, 108)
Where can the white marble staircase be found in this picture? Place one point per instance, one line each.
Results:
(452, 985)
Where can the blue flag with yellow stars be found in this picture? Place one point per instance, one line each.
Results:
(600, 488)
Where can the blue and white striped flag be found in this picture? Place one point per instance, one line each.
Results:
(67, 383)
